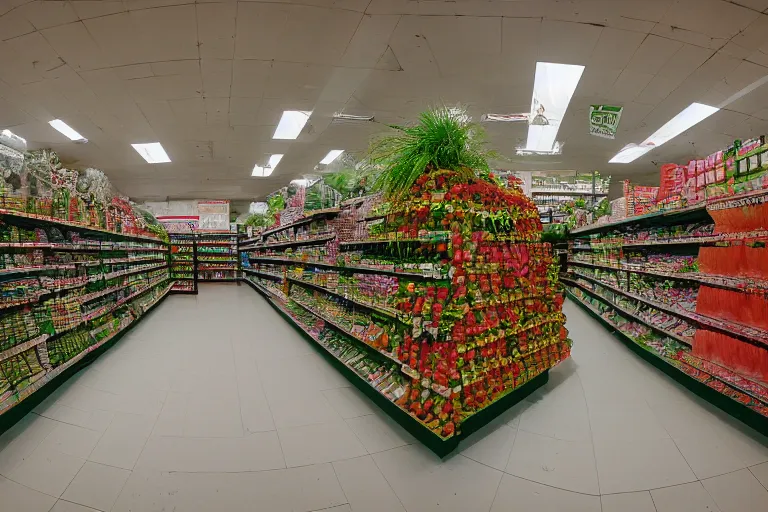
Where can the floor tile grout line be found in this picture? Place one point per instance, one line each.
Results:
(388, 482)
(591, 437)
(754, 475)
(333, 468)
(652, 501)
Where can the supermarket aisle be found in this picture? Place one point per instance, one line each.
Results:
(215, 403)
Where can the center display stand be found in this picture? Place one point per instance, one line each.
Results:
(445, 310)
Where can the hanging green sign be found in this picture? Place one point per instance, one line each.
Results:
(604, 120)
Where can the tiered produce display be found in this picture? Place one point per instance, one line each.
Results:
(216, 256)
(72, 279)
(183, 263)
(446, 310)
(690, 288)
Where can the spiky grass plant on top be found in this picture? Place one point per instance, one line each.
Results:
(443, 139)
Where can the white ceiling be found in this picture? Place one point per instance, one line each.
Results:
(209, 79)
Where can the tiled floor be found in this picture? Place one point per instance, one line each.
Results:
(214, 403)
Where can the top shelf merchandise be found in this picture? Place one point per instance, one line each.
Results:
(216, 256)
(444, 306)
(691, 287)
(183, 249)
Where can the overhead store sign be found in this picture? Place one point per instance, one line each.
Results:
(214, 215)
(604, 120)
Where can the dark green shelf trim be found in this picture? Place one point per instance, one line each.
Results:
(730, 406)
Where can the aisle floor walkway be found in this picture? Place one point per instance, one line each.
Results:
(214, 403)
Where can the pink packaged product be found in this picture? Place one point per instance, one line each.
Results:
(689, 191)
(701, 177)
(719, 167)
(709, 168)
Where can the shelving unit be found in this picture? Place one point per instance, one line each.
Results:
(67, 292)
(217, 257)
(683, 289)
(359, 295)
(183, 249)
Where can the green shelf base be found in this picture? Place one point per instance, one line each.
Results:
(439, 446)
(741, 412)
(17, 412)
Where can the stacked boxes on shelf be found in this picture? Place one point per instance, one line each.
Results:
(183, 262)
(216, 257)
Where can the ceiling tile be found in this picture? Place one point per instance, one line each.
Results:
(714, 18)
(411, 49)
(176, 67)
(216, 30)
(293, 33)
(652, 54)
(217, 77)
(629, 85)
(567, 43)
(165, 87)
(615, 48)
(657, 89)
(95, 8)
(189, 110)
(49, 13)
(14, 24)
(75, 45)
(370, 41)
(249, 78)
(11, 116)
(296, 81)
(134, 71)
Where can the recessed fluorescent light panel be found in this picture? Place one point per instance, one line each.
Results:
(291, 124)
(263, 172)
(340, 117)
(692, 115)
(152, 152)
(66, 130)
(505, 118)
(553, 88)
(331, 156)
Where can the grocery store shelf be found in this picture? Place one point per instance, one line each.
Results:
(679, 216)
(560, 192)
(290, 243)
(23, 347)
(329, 212)
(262, 273)
(363, 270)
(372, 307)
(42, 219)
(626, 312)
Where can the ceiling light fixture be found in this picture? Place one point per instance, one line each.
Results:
(553, 88)
(67, 130)
(152, 152)
(331, 156)
(339, 117)
(505, 118)
(291, 124)
(263, 172)
(690, 116)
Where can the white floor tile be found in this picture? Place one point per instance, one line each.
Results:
(68, 506)
(313, 444)
(47, 471)
(16, 497)
(425, 484)
(297, 489)
(349, 402)
(568, 465)
(123, 440)
(618, 422)
(72, 440)
(93, 420)
(761, 473)
(739, 491)
(96, 486)
(309, 407)
(690, 497)
(628, 502)
(490, 446)
(564, 417)
(709, 454)
(518, 494)
(256, 452)
(365, 487)
(19, 441)
(378, 432)
(640, 465)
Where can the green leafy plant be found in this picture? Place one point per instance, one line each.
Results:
(443, 139)
(259, 220)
